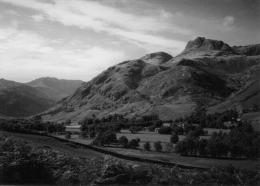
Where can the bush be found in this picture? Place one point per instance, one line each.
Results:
(105, 138)
(147, 146)
(68, 135)
(165, 130)
(168, 147)
(123, 141)
(158, 146)
(135, 129)
(83, 135)
(133, 143)
(174, 138)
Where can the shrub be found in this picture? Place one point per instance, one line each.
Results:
(133, 143)
(135, 129)
(83, 135)
(105, 138)
(168, 147)
(68, 135)
(174, 138)
(165, 130)
(147, 146)
(158, 146)
(123, 141)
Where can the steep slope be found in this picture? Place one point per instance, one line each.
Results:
(19, 100)
(248, 94)
(55, 89)
(159, 84)
(249, 50)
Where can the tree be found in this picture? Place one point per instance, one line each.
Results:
(83, 134)
(123, 141)
(165, 130)
(147, 146)
(68, 135)
(202, 147)
(133, 143)
(181, 147)
(174, 138)
(135, 129)
(168, 147)
(105, 138)
(158, 146)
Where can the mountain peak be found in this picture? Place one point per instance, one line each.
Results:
(156, 58)
(202, 43)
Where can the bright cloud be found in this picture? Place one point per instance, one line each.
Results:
(100, 18)
(30, 55)
(38, 18)
(228, 22)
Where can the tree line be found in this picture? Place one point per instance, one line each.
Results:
(242, 141)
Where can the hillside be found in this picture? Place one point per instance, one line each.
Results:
(206, 71)
(55, 89)
(19, 100)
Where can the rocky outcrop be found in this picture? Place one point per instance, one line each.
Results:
(157, 58)
(201, 43)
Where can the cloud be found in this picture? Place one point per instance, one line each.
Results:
(25, 55)
(38, 17)
(228, 22)
(102, 18)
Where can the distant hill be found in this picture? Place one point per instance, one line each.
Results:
(208, 71)
(55, 89)
(22, 100)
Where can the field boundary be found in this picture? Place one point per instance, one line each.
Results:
(128, 157)
(115, 154)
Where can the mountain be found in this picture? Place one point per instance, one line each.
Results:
(20, 100)
(55, 89)
(207, 71)
(26, 99)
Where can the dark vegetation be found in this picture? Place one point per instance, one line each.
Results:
(30, 125)
(21, 163)
(241, 142)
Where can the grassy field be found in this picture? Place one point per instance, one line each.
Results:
(192, 161)
(47, 142)
(42, 141)
(145, 136)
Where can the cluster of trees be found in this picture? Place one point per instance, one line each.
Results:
(215, 120)
(25, 126)
(144, 121)
(27, 165)
(180, 131)
(242, 141)
(254, 108)
(94, 129)
(109, 138)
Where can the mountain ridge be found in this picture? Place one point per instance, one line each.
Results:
(26, 99)
(158, 83)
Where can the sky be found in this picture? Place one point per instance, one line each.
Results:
(78, 39)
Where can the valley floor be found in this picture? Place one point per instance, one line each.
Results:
(66, 148)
